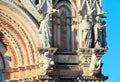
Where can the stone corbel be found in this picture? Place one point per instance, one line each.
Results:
(47, 59)
(51, 51)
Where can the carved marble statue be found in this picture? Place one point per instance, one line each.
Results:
(87, 31)
(95, 64)
(46, 25)
(98, 41)
(44, 30)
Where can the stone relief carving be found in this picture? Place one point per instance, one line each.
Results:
(95, 65)
(46, 59)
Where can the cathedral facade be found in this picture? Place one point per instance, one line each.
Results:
(52, 41)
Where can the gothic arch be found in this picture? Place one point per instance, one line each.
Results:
(58, 4)
(62, 31)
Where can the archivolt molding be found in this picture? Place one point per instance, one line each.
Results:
(21, 34)
(7, 51)
(24, 26)
(21, 16)
(13, 42)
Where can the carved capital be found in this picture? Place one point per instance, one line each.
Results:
(51, 50)
(84, 51)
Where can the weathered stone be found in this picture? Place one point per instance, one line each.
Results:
(39, 45)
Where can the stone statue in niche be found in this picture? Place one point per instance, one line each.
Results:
(95, 65)
(87, 31)
(98, 39)
(46, 25)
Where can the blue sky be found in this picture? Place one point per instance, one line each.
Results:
(111, 59)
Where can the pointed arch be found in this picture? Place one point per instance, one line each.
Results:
(62, 32)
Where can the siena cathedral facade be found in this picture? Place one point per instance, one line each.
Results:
(52, 41)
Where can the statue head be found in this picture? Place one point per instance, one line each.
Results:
(97, 18)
